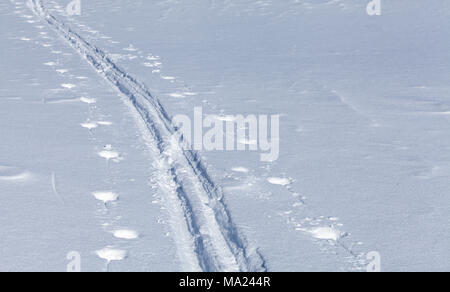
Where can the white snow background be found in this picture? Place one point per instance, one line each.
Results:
(364, 138)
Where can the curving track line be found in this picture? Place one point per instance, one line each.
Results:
(206, 237)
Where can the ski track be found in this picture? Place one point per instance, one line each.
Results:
(206, 237)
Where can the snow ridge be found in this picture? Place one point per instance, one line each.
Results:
(207, 238)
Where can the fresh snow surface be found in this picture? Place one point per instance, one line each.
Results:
(89, 166)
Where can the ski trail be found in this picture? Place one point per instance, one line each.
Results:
(206, 237)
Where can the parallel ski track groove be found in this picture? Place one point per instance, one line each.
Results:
(210, 254)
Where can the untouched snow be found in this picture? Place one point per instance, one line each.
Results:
(88, 163)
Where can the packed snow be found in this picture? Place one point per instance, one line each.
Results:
(350, 103)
